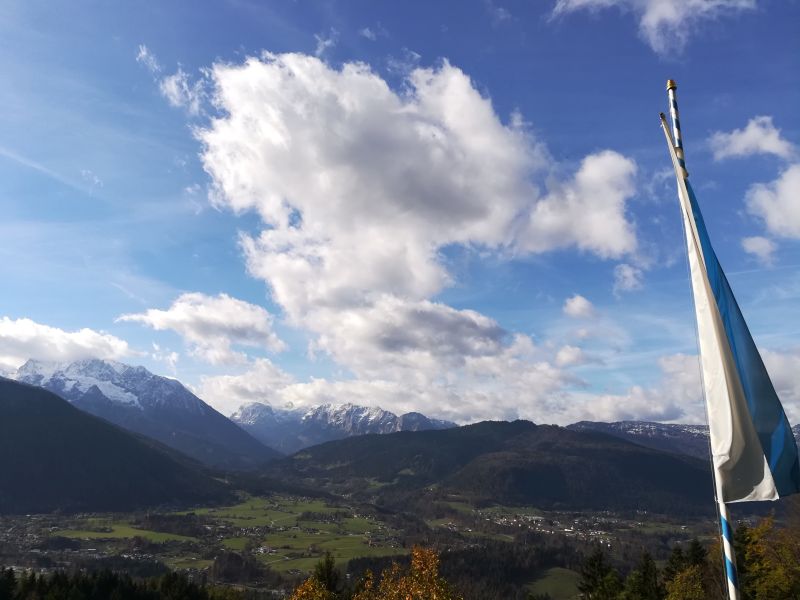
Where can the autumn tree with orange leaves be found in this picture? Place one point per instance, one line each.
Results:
(420, 582)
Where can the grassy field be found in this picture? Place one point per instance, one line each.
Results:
(560, 584)
(121, 530)
(276, 524)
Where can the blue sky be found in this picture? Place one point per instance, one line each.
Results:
(461, 208)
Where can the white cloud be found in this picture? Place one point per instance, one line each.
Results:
(177, 88)
(91, 178)
(183, 93)
(212, 325)
(21, 339)
(578, 307)
(677, 396)
(508, 384)
(588, 211)
(777, 203)
(784, 370)
(168, 357)
(407, 339)
(360, 187)
(760, 136)
(664, 24)
(366, 32)
(261, 382)
(325, 43)
(497, 13)
(570, 355)
(627, 278)
(148, 59)
(760, 247)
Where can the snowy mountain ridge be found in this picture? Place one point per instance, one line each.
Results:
(157, 407)
(119, 383)
(678, 437)
(291, 429)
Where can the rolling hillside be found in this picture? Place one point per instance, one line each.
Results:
(508, 463)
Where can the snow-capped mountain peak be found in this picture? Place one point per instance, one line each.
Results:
(155, 406)
(74, 379)
(353, 419)
(292, 429)
(133, 387)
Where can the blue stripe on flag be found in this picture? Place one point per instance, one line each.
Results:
(763, 404)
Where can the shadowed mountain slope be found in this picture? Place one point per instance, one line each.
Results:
(55, 456)
(507, 463)
(157, 407)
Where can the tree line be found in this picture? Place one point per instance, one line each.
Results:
(767, 559)
(108, 585)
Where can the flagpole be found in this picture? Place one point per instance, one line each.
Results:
(725, 528)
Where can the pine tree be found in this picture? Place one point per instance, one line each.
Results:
(327, 574)
(643, 582)
(678, 561)
(599, 580)
(696, 555)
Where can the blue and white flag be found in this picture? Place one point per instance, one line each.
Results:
(753, 449)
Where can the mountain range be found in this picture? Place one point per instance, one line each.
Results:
(56, 457)
(157, 407)
(290, 430)
(691, 440)
(501, 462)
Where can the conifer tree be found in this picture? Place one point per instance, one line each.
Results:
(599, 580)
(327, 574)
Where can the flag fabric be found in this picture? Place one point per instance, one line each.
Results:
(754, 452)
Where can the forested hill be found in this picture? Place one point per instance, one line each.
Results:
(509, 463)
(58, 457)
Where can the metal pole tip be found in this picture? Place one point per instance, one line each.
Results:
(671, 85)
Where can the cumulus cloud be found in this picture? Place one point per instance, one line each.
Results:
(783, 368)
(578, 307)
(21, 339)
(512, 383)
(262, 382)
(213, 325)
(588, 211)
(777, 203)
(760, 136)
(627, 278)
(664, 24)
(412, 339)
(677, 396)
(760, 247)
(570, 355)
(360, 188)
